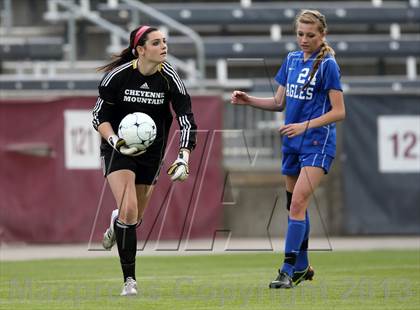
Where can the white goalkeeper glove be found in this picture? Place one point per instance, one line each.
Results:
(120, 146)
(116, 142)
(131, 151)
(179, 171)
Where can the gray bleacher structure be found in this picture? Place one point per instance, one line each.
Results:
(56, 45)
(374, 39)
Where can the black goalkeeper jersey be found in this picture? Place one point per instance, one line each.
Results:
(125, 90)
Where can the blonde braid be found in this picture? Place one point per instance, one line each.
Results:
(325, 49)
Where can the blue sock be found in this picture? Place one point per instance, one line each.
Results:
(302, 261)
(295, 233)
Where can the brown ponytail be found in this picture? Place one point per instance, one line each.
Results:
(128, 53)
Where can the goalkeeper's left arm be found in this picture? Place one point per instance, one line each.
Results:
(181, 104)
(179, 170)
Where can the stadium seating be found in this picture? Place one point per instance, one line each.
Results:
(39, 48)
(346, 46)
(377, 43)
(349, 12)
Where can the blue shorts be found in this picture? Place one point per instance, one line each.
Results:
(292, 163)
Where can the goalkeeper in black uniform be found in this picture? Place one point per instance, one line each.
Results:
(139, 80)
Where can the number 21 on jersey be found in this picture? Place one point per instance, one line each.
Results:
(304, 75)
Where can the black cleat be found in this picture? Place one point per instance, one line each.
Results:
(307, 274)
(282, 281)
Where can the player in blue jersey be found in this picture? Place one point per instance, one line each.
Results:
(311, 94)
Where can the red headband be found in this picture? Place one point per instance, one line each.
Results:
(139, 33)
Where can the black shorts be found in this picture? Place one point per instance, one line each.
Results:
(146, 166)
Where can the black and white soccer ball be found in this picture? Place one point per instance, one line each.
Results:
(137, 129)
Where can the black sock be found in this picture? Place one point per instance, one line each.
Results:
(290, 258)
(127, 247)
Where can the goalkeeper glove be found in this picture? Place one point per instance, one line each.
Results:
(119, 145)
(179, 171)
(131, 151)
(116, 142)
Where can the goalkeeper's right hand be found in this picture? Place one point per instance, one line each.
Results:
(131, 151)
(120, 146)
(116, 142)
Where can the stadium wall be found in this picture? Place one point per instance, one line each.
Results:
(51, 179)
(373, 187)
(49, 196)
(381, 168)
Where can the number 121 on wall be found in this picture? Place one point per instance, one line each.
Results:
(399, 143)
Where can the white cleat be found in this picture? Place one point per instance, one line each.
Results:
(109, 238)
(130, 287)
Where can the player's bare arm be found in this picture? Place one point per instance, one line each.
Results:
(276, 103)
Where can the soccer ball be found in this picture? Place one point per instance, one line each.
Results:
(138, 130)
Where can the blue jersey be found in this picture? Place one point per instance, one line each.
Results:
(309, 103)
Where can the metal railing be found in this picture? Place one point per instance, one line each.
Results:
(251, 138)
(172, 23)
(6, 16)
(118, 34)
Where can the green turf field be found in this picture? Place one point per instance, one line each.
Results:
(344, 280)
